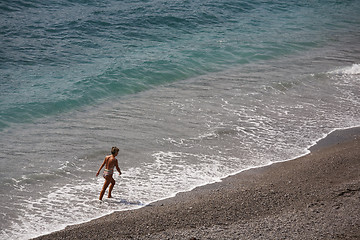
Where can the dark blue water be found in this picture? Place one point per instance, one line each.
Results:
(191, 91)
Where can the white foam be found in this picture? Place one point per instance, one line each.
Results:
(240, 135)
(74, 203)
(171, 172)
(349, 70)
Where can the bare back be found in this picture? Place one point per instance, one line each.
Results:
(110, 162)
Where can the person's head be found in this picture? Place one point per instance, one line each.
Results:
(114, 150)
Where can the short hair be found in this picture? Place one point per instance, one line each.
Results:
(114, 150)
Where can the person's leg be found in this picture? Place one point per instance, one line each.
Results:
(112, 184)
(106, 184)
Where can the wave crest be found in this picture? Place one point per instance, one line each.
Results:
(349, 70)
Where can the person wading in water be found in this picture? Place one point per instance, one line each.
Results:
(110, 162)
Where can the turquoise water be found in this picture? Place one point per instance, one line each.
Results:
(63, 55)
(190, 91)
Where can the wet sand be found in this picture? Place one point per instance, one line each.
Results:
(313, 197)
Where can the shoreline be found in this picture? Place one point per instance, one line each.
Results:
(246, 203)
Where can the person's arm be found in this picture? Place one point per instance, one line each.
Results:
(117, 167)
(102, 165)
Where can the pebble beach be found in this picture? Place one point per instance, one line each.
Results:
(312, 197)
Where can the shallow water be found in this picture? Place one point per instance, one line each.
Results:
(189, 92)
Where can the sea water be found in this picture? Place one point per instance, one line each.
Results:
(190, 91)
